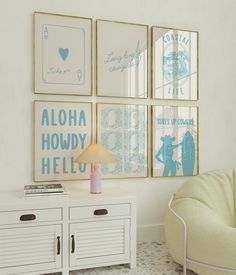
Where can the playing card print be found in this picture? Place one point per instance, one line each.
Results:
(62, 54)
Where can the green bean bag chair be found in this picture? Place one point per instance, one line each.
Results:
(207, 205)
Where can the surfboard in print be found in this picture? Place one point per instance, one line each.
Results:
(188, 154)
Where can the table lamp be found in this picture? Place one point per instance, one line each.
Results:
(95, 154)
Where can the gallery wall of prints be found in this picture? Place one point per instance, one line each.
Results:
(148, 136)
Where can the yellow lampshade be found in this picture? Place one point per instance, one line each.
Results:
(95, 153)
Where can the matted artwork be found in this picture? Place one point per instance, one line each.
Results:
(174, 141)
(122, 59)
(122, 129)
(63, 54)
(174, 64)
(62, 131)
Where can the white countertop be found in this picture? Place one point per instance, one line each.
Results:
(16, 200)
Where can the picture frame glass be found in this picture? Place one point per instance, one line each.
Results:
(122, 129)
(63, 54)
(122, 59)
(62, 131)
(174, 141)
(174, 64)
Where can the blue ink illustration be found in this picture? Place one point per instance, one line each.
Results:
(140, 163)
(64, 52)
(176, 38)
(175, 65)
(188, 154)
(106, 136)
(128, 163)
(124, 61)
(136, 145)
(117, 169)
(60, 71)
(106, 113)
(135, 118)
(123, 133)
(166, 153)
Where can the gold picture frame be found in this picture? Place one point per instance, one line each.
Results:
(175, 64)
(63, 54)
(63, 129)
(123, 130)
(122, 59)
(175, 141)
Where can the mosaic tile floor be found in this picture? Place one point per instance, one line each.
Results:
(152, 259)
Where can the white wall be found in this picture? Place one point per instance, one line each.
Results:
(214, 19)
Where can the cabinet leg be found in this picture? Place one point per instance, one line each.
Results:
(65, 272)
(132, 264)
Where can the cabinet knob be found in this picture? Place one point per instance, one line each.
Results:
(28, 217)
(100, 212)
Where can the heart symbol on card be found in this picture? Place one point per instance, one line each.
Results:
(63, 53)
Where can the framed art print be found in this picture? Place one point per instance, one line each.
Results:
(174, 64)
(122, 59)
(174, 141)
(122, 129)
(62, 131)
(63, 54)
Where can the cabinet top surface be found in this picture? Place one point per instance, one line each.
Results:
(74, 197)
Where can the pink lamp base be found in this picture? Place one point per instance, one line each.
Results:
(95, 180)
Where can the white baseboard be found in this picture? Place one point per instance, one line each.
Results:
(150, 233)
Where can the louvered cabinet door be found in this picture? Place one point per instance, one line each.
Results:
(30, 249)
(99, 243)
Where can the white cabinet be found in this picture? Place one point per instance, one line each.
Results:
(99, 211)
(46, 235)
(30, 249)
(100, 235)
(30, 216)
(99, 242)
